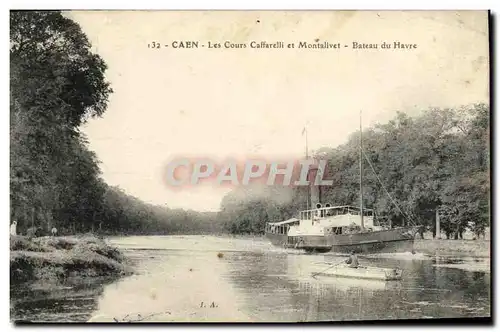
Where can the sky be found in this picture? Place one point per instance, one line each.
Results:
(222, 103)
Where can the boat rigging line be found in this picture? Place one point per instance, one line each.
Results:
(405, 215)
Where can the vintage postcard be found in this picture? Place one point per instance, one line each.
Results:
(249, 166)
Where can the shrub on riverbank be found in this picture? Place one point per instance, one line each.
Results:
(58, 258)
(477, 248)
(24, 243)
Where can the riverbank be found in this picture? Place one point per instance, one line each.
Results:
(55, 259)
(433, 247)
(436, 247)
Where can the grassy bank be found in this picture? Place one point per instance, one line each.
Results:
(477, 248)
(57, 258)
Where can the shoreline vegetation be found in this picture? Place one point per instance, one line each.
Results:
(449, 247)
(55, 259)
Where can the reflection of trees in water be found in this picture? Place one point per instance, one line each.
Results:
(487, 280)
(461, 283)
(280, 288)
(72, 302)
(444, 292)
(478, 284)
(261, 277)
(253, 269)
(339, 301)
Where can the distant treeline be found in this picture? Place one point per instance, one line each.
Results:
(125, 214)
(57, 84)
(438, 160)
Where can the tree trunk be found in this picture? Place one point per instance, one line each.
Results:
(456, 231)
(437, 226)
(93, 221)
(48, 217)
(421, 232)
(25, 217)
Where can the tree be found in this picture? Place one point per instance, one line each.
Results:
(57, 83)
(417, 165)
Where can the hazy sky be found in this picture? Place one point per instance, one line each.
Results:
(234, 103)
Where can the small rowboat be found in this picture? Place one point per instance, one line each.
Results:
(361, 272)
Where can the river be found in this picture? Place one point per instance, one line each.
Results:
(208, 278)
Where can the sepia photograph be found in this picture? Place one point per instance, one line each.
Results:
(250, 166)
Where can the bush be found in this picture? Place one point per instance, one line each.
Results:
(59, 258)
(24, 243)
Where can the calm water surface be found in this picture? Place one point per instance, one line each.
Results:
(183, 278)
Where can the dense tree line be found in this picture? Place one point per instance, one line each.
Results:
(437, 161)
(125, 214)
(56, 84)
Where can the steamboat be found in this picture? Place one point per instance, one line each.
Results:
(341, 228)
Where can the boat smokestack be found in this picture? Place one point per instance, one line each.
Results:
(315, 191)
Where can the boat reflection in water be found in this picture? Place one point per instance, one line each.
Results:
(338, 298)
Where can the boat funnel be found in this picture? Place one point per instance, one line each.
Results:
(318, 206)
(314, 190)
(327, 205)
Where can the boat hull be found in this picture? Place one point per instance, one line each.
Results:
(385, 241)
(361, 272)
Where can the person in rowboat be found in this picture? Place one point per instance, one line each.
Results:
(353, 260)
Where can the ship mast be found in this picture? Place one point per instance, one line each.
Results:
(361, 172)
(307, 157)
